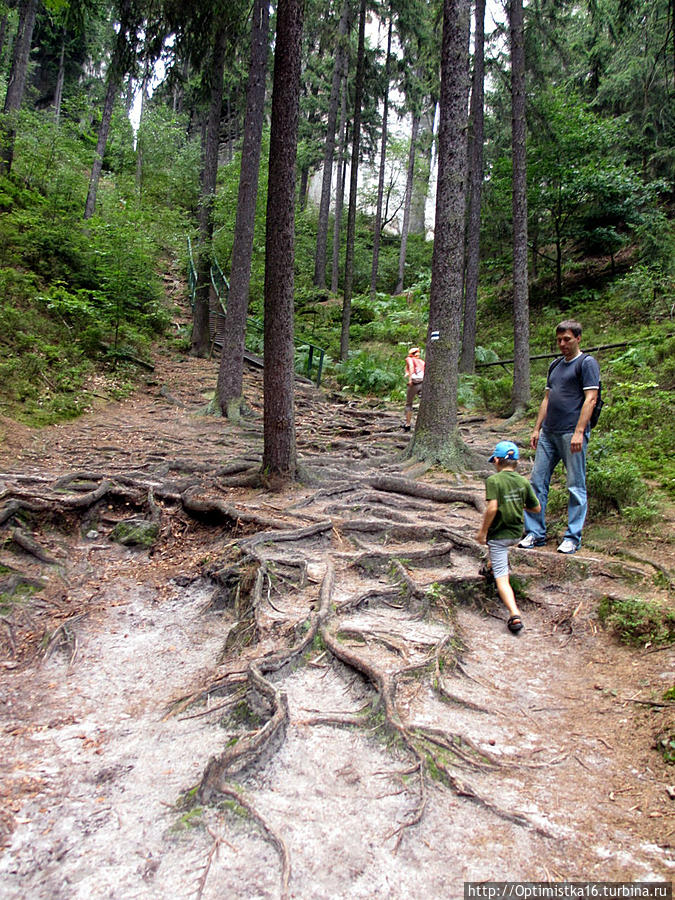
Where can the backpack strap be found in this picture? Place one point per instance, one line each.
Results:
(552, 366)
(580, 374)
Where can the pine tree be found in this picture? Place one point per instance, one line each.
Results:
(520, 395)
(436, 436)
(232, 353)
(279, 454)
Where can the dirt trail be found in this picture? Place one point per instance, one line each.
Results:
(310, 692)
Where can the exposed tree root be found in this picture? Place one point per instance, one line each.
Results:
(21, 539)
(667, 574)
(275, 839)
(464, 789)
(394, 558)
(427, 491)
(385, 686)
(269, 701)
(377, 561)
(65, 637)
(451, 697)
(214, 510)
(396, 532)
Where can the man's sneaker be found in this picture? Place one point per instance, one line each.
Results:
(530, 541)
(567, 546)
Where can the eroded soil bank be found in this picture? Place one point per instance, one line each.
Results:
(308, 692)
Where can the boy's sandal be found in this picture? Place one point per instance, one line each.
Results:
(514, 624)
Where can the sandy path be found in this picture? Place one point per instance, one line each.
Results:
(93, 769)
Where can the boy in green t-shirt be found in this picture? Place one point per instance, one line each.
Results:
(507, 494)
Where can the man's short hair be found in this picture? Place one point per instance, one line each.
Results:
(569, 325)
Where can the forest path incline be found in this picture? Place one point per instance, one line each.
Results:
(305, 692)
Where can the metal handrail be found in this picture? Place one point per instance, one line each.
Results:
(221, 286)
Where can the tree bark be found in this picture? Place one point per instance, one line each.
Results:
(436, 435)
(520, 395)
(16, 84)
(535, 248)
(139, 135)
(232, 353)
(60, 78)
(468, 358)
(279, 453)
(200, 319)
(353, 183)
(3, 36)
(340, 180)
(101, 143)
(408, 200)
(115, 74)
(329, 151)
(302, 191)
(377, 232)
(425, 143)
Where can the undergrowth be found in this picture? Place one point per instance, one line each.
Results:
(638, 622)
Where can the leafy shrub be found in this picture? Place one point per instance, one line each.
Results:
(389, 319)
(613, 483)
(641, 426)
(485, 354)
(366, 374)
(495, 393)
(638, 621)
(170, 159)
(467, 396)
(645, 513)
(558, 498)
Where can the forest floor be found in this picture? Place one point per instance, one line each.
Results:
(310, 691)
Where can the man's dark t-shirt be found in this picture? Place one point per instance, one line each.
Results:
(565, 394)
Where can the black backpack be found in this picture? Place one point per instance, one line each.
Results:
(599, 403)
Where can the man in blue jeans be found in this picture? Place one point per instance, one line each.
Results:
(561, 433)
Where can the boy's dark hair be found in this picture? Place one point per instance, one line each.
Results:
(569, 325)
(507, 463)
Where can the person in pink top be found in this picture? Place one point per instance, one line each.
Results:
(414, 373)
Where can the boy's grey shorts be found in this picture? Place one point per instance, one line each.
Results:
(499, 555)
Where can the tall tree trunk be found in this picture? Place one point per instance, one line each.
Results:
(329, 151)
(16, 84)
(340, 180)
(468, 358)
(534, 240)
(179, 86)
(408, 200)
(200, 319)
(377, 233)
(114, 81)
(3, 36)
(279, 454)
(353, 182)
(139, 134)
(425, 143)
(558, 263)
(436, 435)
(302, 190)
(521, 312)
(60, 78)
(232, 354)
(112, 89)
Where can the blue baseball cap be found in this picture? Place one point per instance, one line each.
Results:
(505, 450)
